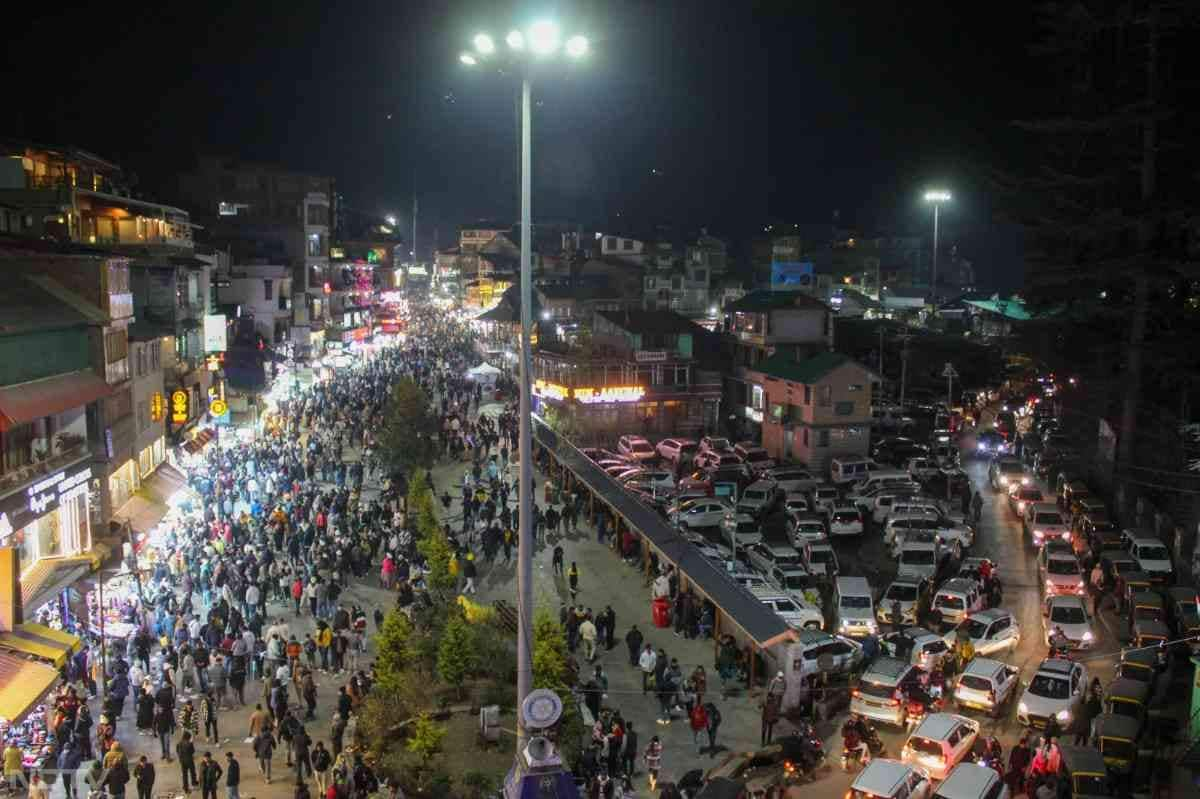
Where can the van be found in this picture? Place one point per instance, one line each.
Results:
(881, 478)
(956, 598)
(972, 781)
(855, 607)
(848, 470)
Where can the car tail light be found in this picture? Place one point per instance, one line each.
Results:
(856, 693)
(992, 696)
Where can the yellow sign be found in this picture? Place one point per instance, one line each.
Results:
(590, 396)
(158, 406)
(179, 407)
(550, 390)
(218, 407)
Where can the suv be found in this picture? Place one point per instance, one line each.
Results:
(819, 558)
(926, 505)
(847, 655)
(824, 497)
(986, 685)
(765, 557)
(715, 444)
(916, 645)
(1057, 689)
(990, 631)
(1005, 471)
(1060, 571)
(880, 504)
(806, 527)
(845, 520)
(881, 688)
(1153, 558)
(1043, 521)
(795, 581)
(940, 742)
(1069, 614)
(754, 456)
(911, 594)
(919, 559)
(741, 530)
(956, 599)
(793, 479)
(855, 607)
(759, 498)
(676, 450)
(636, 448)
(711, 459)
(796, 613)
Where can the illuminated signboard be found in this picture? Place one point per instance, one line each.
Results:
(590, 396)
(550, 390)
(158, 406)
(218, 407)
(179, 407)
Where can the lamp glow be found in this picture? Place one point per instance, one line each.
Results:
(543, 37)
(515, 40)
(484, 44)
(468, 59)
(937, 196)
(577, 46)
(391, 220)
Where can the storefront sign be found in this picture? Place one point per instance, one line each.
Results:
(158, 406)
(218, 407)
(214, 333)
(590, 396)
(649, 356)
(179, 407)
(550, 390)
(22, 507)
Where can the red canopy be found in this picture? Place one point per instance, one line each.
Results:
(25, 402)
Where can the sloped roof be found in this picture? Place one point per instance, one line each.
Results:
(639, 321)
(26, 307)
(760, 301)
(784, 366)
(1010, 309)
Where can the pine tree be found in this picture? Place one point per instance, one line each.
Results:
(408, 440)
(425, 739)
(456, 652)
(392, 645)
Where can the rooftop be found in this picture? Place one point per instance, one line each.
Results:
(26, 308)
(784, 366)
(760, 301)
(1012, 308)
(638, 321)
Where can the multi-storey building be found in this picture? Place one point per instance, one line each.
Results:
(262, 292)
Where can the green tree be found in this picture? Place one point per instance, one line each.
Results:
(408, 440)
(563, 422)
(456, 652)
(437, 552)
(550, 657)
(425, 739)
(393, 647)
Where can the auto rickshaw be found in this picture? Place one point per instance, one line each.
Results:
(1084, 773)
(1184, 616)
(1141, 604)
(1116, 737)
(1139, 664)
(1126, 697)
(1150, 633)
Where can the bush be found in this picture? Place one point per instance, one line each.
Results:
(478, 784)
(499, 693)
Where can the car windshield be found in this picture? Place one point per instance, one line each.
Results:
(1062, 566)
(862, 602)
(876, 689)
(811, 528)
(785, 606)
(1067, 614)
(1153, 553)
(924, 746)
(975, 628)
(916, 557)
(1047, 518)
(901, 592)
(846, 517)
(974, 683)
(1049, 687)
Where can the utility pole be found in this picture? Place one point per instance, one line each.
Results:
(904, 364)
(414, 239)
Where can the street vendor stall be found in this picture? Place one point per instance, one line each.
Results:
(484, 374)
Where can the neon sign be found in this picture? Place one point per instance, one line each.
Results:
(591, 396)
(550, 390)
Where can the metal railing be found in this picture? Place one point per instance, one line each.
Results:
(23, 474)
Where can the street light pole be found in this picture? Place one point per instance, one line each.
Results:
(525, 445)
(936, 197)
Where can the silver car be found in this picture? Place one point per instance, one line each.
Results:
(704, 512)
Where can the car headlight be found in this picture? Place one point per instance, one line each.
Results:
(1024, 481)
(1039, 533)
(1088, 636)
(1063, 715)
(1022, 708)
(1003, 480)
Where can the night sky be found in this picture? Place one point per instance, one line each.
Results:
(726, 114)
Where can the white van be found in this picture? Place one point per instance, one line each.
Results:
(877, 480)
(855, 607)
(849, 470)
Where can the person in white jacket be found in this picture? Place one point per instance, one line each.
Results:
(646, 663)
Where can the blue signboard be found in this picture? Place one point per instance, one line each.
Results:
(791, 274)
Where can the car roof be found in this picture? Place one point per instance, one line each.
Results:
(1059, 667)
(938, 725)
(882, 776)
(968, 779)
(1065, 599)
(888, 667)
(1045, 507)
(983, 667)
(960, 584)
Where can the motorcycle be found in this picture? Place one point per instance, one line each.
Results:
(919, 704)
(803, 754)
(856, 731)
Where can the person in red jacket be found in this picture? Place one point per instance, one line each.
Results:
(699, 720)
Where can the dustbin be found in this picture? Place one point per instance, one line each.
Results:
(661, 610)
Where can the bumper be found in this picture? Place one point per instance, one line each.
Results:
(893, 715)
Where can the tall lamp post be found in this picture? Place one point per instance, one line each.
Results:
(540, 43)
(936, 197)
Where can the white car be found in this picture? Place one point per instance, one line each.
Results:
(1152, 557)
(676, 449)
(917, 646)
(715, 444)
(793, 479)
(992, 631)
(804, 527)
(940, 742)
(648, 480)
(919, 559)
(796, 503)
(911, 594)
(891, 779)
(1057, 689)
(636, 448)
(922, 468)
(703, 512)
(796, 612)
(845, 520)
(759, 498)
(879, 503)
(1069, 614)
(741, 530)
(924, 535)
(987, 685)
(1044, 521)
(710, 459)
(754, 456)
(1005, 471)
(820, 559)
(796, 582)
(765, 557)
(1060, 571)
(824, 498)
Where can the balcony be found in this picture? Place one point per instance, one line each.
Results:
(75, 449)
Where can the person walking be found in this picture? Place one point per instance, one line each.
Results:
(714, 723)
(629, 751)
(264, 750)
(321, 763)
(633, 640)
(573, 581)
(556, 561)
(233, 776)
(469, 573)
(647, 662)
(143, 775)
(698, 719)
(164, 725)
(587, 631)
(770, 717)
(185, 750)
(208, 710)
(210, 776)
(653, 758)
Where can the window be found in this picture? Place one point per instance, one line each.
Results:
(700, 275)
(808, 395)
(822, 438)
(805, 436)
(268, 290)
(844, 408)
(626, 244)
(314, 244)
(143, 415)
(610, 243)
(318, 215)
(824, 396)
(156, 356)
(116, 345)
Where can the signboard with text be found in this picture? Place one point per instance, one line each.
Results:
(22, 507)
(214, 333)
(179, 407)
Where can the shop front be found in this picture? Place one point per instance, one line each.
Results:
(50, 518)
(150, 457)
(123, 482)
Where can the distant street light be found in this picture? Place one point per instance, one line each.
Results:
(937, 197)
(542, 39)
(390, 219)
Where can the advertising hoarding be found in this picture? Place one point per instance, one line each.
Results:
(214, 333)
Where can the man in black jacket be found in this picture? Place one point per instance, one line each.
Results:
(233, 775)
(186, 750)
(633, 640)
(210, 776)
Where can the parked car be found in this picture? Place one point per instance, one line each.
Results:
(823, 498)
(819, 558)
(754, 456)
(711, 459)
(922, 560)
(636, 448)
(845, 520)
(796, 612)
(806, 527)
(798, 583)
(675, 450)
(766, 557)
(913, 595)
(793, 478)
(707, 512)
(760, 498)
(796, 503)
(1152, 557)
(715, 444)
(741, 530)
(922, 468)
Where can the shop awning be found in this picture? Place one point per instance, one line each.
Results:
(25, 402)
(23, 685)
(48, 578)
(150, 504)
(198, 441)
(54, 646)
